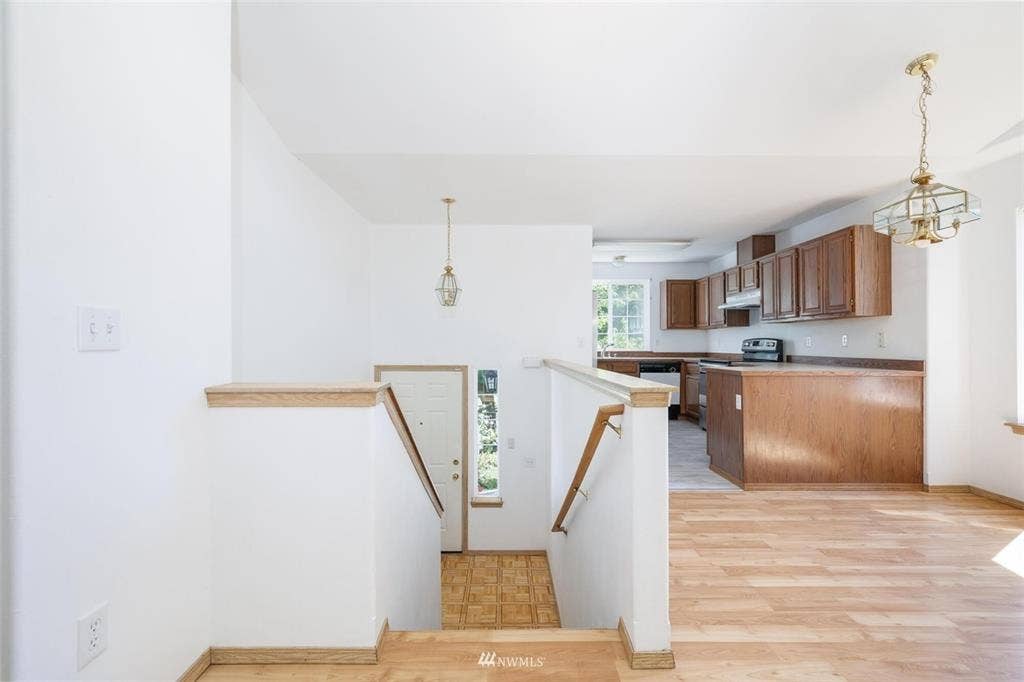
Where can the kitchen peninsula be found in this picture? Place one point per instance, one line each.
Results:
(791, 425)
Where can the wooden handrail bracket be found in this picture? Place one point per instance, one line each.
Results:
(601, 420)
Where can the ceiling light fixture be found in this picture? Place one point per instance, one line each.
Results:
(447, 289)
(929, 212)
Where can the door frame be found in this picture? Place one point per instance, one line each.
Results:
(464, 369)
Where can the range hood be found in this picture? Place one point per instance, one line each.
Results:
(742, 300)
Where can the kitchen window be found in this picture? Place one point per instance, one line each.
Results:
(622, 314)
(486, 433)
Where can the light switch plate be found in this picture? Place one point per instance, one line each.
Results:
(99, 328)
(511, 443)
(807, 342)
(845, 340)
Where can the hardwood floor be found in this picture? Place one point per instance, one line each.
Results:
(823, 585)
(497, 591)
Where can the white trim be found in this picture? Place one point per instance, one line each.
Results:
(1020, 315)
(648, 292)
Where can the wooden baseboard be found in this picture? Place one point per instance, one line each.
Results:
(726, 475)
(196, 670)
(975, 490)
(297, 654)
(981, 492)
(833, 486)
(645, 660)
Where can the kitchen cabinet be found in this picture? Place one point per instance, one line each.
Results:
(837, 272)
(630, 367)
(732, 281)
(809, 260)
(767, 267)
(749, 277)
(716, 297)
(691, 391)
(786, 285)
(703, 314)
(754, 247)
(678, 304)
(847, 273)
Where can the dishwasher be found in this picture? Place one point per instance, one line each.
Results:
(664, 373)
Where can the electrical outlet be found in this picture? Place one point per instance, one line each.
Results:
(845, 340)
(529, 462)
(881, 339)
(807, 342)
(92, 635)
(739, 401)
(99, 328)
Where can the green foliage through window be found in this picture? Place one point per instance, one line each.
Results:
(487, 432)
(620, 314)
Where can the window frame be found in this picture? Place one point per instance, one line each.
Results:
(646, 283)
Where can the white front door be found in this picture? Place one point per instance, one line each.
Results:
(432, 403)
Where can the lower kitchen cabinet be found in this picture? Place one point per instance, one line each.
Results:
(691, 391)
(630, 367)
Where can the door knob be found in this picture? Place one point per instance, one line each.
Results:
(455, 477)
(455, 462)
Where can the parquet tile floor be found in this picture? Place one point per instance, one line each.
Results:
(497, 592)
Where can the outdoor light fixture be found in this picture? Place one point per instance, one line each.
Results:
(929, 212)
(447, 286)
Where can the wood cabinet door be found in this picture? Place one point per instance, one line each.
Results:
(732, 281)
(679, 304)
(703, 320)
(716, 297)
(786, 281)
(810, 278)
(748, 276)
(768, 279)
(692, 393)
(837, 272)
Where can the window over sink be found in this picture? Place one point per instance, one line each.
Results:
(622, 314)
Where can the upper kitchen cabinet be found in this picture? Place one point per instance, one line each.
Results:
(732, 281)
(847, 273)
(749, 277)
(703, 314)
(768, 279)
(716, 292)
(679, 304)
(786, 282)
(754, 247)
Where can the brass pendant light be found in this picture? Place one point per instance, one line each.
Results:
(929, 212)
(447, 289)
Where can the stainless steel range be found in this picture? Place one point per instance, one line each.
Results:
(754, 350)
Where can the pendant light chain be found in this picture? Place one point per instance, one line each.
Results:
(448, 206)
(922, 106)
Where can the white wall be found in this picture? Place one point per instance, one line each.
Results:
(407, 578)
(120, 187)
(904, 329)
(526, 293)
(613, 562)
(989, 251)
(321, 529)
(661, 339)
(301, 299)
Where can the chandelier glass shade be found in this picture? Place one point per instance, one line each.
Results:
(447, 289)
(929, 212)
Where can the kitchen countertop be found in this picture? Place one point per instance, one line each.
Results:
(762, 369)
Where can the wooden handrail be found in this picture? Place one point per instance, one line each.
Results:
(596, 431)
(402, 426)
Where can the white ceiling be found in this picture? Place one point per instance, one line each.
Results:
(689, 121)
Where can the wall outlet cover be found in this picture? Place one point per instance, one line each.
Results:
(807, 342)
(739, 401)
(881, 339)
(529, 462)
(93, 630)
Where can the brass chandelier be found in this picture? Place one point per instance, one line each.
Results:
(447, 289)
(929, 212)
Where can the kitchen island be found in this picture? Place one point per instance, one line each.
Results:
(788, 425)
